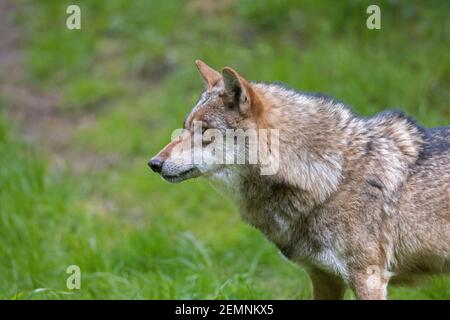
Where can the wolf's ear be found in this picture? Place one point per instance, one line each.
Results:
(209, 75)
(238, 88)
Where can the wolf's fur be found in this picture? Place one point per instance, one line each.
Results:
(357, 201)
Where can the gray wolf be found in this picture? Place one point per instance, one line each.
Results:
(358, 202)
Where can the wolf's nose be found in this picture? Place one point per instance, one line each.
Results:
(156, 164)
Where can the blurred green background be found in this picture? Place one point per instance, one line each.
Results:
(81, 193)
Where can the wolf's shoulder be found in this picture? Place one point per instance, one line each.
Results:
(439, 133)
(436, 142)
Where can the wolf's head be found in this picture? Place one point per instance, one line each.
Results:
(228, 103)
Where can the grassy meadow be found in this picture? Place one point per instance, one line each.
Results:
(130, 70)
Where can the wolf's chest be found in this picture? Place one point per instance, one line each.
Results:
(263, 207)
(282, 216)
(277, 226)
(297, 241)
(277, 213)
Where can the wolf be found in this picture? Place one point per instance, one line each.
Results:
(358, 202)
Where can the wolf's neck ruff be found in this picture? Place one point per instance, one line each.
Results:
(312, 132)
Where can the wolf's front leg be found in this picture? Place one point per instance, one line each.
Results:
(369, 284)
(325, 285)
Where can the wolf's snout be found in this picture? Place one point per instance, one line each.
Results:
(156, 164)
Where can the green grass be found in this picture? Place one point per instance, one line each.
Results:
(131, 68)
(48, 224)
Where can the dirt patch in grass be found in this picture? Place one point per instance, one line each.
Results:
(36, 113)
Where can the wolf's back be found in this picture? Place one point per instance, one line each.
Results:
(436, 143)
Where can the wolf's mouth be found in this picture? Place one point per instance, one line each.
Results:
(188, 174)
